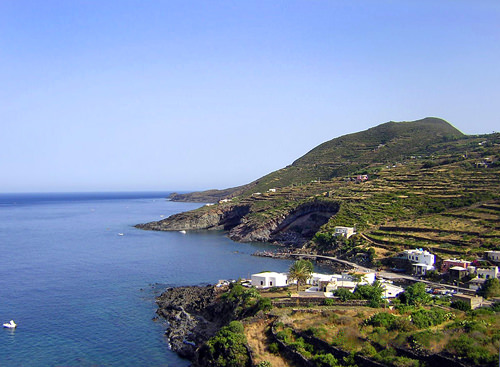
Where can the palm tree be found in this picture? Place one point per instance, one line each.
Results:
(300, 271)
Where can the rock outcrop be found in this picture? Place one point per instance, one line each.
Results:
(220, 217)
(294, 227)
(194, 315)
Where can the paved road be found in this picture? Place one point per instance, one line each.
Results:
(387, 274)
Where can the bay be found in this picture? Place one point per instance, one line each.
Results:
(82, 294)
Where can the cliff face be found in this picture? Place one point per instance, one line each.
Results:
(294, 227)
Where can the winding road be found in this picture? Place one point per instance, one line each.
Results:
(387, 274)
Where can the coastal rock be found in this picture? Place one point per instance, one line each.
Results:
(194, 315)
(221, 217)
(294, 227)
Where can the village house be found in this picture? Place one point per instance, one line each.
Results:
(269, 279)
(391, 290)
(493, 255)
(328, 283)
(473, 301)
(488, 272)
(457, 272)
(449, 263)
(345, 231)
(476, 283)
(422, 260)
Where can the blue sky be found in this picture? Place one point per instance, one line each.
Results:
(186, 95)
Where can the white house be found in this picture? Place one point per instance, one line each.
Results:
(422, 261)
(493, 255)
(391, 291)
(318, 277)
(344, 231)
(365, 278)
(269, 279)
(327, 283)
(485, 273)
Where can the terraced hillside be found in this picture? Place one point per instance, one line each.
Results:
(452, 208)
(442, 193)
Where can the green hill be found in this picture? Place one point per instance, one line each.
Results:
(428, 185)
(355, 153)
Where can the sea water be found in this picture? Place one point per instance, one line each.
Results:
(80, 280)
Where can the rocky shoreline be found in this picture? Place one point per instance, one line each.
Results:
(194, 315)
(293, 227)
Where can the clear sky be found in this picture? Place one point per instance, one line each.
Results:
(103, 95)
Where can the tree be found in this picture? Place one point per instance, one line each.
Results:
(415, 295)
(343, 294)
(372, 293)
(300, 271)
(490, 288)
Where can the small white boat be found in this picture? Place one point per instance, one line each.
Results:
(10, 325)
(183, 232)
(120, 234)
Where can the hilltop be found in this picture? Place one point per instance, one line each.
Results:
(426, 184)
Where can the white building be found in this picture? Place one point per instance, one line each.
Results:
(391, 291)
(344, 231)
(422, 261)
(493, 255)
(327, 283)
(484, 273)
(269, 279)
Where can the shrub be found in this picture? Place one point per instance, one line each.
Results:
(285, 335)
(329, 302)
(227, 347)
(273, 348)
(460, 305)
(469, 348)
(318, 332)
(496, 307)
(264, 304)
(236, 327)
(425, 318)
(343, 294)
(402, 324)
(368, 350)
(405, 362)
(325, 360)
(382, 319)
(264, 364)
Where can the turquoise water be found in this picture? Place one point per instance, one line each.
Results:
(82, 295)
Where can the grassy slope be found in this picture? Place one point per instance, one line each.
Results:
(423, 174)
(452, 203)
(355, 153)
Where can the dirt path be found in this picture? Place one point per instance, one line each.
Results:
(257, 339)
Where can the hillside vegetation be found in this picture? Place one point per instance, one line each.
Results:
(428, 185)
